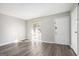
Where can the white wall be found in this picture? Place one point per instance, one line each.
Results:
(47, 27)
(74, 29)
(11, 29)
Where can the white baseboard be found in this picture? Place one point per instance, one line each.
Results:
(40, 41)
(54, 42)
(74, 50)
(15, 41)
(7, 43)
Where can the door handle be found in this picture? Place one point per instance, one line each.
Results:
(76, 32)
(55, 27)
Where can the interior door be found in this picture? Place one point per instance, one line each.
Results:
(62, 30)
(78, 29)
(78, 36)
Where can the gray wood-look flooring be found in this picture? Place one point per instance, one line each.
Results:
(29, 48)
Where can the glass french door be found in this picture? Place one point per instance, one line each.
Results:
(36, 32)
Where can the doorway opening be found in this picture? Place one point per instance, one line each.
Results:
(36, 32)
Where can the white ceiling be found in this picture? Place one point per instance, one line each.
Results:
(33, 10)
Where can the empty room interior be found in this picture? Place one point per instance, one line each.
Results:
(39, 29)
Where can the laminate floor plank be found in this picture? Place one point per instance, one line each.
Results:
(29, 48)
